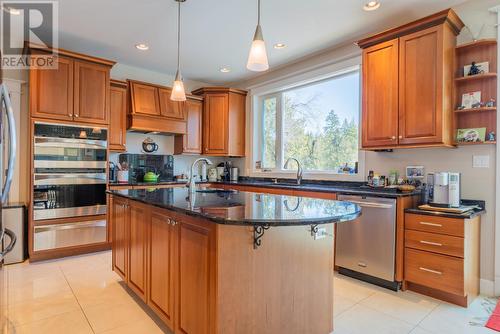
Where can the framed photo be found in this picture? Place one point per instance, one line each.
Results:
(415, 172)
(483, 67)
(469, 100)
(471, 135)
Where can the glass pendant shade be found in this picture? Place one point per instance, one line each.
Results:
(178, 93)
(257, 58)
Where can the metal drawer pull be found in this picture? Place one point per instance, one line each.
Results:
(430, 243)
(431, 224)
(430, 271)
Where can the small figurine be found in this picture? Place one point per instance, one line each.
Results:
(490, 103)
(476, 105)
(491, 136)
(474, 69)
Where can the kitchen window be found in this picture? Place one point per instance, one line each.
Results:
(316, 123)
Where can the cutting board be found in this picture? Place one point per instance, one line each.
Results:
(461, 209)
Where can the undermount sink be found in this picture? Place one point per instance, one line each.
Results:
(216, 191)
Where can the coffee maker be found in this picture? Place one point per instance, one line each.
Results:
(445, 189)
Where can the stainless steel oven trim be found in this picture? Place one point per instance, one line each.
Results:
(91, 210)
(48, 179)
(67, 226)
(70, 143)
(69, 164)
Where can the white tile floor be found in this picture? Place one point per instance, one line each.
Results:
(82, 295)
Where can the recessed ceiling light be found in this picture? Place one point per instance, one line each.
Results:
(372, 5)
(142, 47)
(279, 46)
(225, 69)
(12, 10)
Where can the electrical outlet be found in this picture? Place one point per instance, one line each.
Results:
(480, 161)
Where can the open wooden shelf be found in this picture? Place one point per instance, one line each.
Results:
(480, 42)
(477, 77)
(488, 142)
(473, 110)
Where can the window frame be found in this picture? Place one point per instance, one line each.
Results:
(277, 92)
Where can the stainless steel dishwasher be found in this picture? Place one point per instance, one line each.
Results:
(365, 247)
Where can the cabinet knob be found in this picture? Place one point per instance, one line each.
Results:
(393, 138)
(400, 137)
(76, 115)
(70, 115)
(169, 221)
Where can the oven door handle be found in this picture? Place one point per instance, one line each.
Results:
(370, 204)
(5, 98)
(59, 179)
(69, 143)
(12, 243)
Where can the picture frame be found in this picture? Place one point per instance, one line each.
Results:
(484, 67)
(471, 135)
(415, 172)
(469, 100)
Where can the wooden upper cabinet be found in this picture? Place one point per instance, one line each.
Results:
(223, 121)
(168, 108)
(216, 126)
(77, 90)
(408, 84)
(191, 142)
(51, 91)
(91, 93)
(145, 99)
(380, 98)
(421, 62)
(162, 263)
(118, 116)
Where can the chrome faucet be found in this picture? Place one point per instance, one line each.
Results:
(192, 184)
(299, 169)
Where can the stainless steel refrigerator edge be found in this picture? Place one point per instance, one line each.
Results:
(8, 112)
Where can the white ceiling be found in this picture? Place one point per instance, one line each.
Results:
(218, 33)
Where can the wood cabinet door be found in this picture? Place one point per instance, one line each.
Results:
(195, 278)
(145, 99)
(380, 95)
(51, 91)
(168, 108)
(118, 118)
(162, 241)
(192, 140)
(119, 228)
(91, 92)
(421, 87)
(215, 124)
(138, 249)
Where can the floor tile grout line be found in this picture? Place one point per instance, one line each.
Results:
(76, 298)
(428, 314)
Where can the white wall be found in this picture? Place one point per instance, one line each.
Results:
(476, 183)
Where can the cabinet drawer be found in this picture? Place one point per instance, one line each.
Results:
(439, 272)
(435, 224)
(437, 243)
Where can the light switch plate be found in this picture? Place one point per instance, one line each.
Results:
(480, 161)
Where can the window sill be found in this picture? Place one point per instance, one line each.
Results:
(316, 176)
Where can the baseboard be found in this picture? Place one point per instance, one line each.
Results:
(486, 287)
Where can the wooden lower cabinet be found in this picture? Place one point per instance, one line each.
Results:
(162, 264)
(442, 257)
(196, 277)
(119, 227)
(138, 248)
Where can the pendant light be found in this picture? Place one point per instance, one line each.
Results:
(178, 93)
(257, 59)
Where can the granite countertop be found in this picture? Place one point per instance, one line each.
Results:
(347, 188)
(466, 215)
(246, 208)
(134, 183)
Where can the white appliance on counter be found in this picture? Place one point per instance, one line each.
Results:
(446, 190)
(366, 247)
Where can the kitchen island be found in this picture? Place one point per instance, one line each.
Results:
(226, 261)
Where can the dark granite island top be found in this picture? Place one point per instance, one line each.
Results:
(232, 207)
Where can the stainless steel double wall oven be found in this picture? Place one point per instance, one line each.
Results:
(69, 181)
